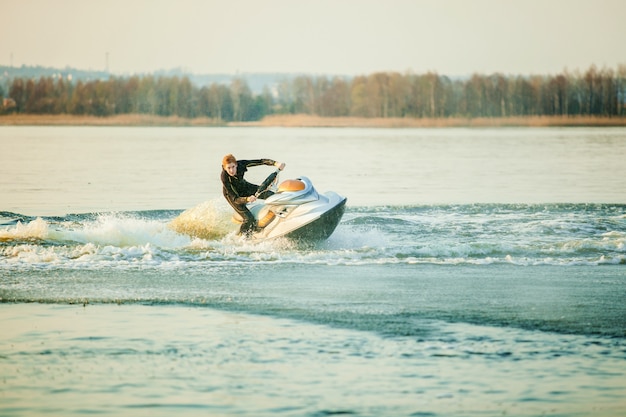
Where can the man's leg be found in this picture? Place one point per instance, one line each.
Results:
(249, 223)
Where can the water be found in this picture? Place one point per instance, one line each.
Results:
(475, 272)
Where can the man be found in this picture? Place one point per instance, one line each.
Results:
(238, 192)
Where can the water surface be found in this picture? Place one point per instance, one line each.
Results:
(475, 272)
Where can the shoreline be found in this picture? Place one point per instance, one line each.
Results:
(301, 120)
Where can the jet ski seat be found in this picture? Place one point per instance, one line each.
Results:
(291, 185)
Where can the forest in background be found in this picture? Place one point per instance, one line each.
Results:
(594, 92)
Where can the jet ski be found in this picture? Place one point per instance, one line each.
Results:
(296, 210)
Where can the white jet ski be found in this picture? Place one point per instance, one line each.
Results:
(296, 211)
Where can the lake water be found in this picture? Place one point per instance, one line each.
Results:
(475, 272)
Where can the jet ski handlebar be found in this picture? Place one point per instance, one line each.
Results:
(267, 183)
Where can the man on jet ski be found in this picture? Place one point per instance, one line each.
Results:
(238, 192)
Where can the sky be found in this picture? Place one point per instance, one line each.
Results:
(317, 37)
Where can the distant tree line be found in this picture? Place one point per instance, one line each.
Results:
(595, 92)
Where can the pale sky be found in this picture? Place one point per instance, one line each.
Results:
(351, 37)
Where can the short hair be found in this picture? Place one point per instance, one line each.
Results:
(228, 159)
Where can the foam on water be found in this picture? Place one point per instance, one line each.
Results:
(122, 231)
(441, 235)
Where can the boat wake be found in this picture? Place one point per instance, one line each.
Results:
(437, 235)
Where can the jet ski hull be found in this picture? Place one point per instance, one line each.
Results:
(323, 227)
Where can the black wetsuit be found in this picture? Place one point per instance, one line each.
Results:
(236, 189)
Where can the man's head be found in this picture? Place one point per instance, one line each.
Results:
(229, 163)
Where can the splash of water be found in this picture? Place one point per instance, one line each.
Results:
(209, 220)
(36, 229)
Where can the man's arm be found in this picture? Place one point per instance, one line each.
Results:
(257, 162)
